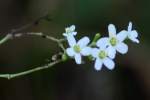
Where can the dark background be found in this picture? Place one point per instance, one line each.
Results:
(67, 81)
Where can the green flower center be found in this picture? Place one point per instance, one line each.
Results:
(77, 48)
(102, 54)
(68, 30)
(113, 41)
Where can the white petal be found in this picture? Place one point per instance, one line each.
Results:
(130, 26)
(78, 58)
(112, 30)
(133, 36)
(86, 51)
(111, 52)
(71, 40)
(121, 36)
(83, 41)
(70, 52)
(98, 64)
(122, 48)
(109, 63)
(67, 29)
(74, 33)
(103, 42)
(135, 40)
(72, 28)
(95, 52)
(64, 34)
(134, 33)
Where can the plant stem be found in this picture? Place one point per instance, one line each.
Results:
(6, 38)
(59, 41)
(44, 36)
(11, 76)
(17, 35)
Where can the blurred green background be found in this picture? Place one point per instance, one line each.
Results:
(67, 81)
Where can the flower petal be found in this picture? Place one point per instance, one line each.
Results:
(130, 26)
(122, 48)
(109, 63)
(95, 52)
(121, 36)
(83, 41)
(86, 51)
(72, 28)
(98, 64)
(64, 34)
(71, 40)
(135, 40)
(67, 29)
(111, 30)
(70, 52)
(111, 52)
(103, 42)
(74, 33)
(78, 58)
(133, 36)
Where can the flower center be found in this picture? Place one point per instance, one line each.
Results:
(113, 41)
(77, 48)
(68, 30)
(102, 54)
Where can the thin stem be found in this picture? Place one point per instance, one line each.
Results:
(59, 41)
(44, 36)
(61, 46)
(6, 38)
(17, 35)
(14, 34)
(11, 76)
(29, 24)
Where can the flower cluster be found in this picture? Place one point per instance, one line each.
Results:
(104, 49)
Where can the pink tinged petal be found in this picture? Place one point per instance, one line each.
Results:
(86, 51)
(109, 63)
(95, 52)
(111, 52)
(121, 36)
(130, 26)
(111, 30)
(103, 42)
(83, 42)
(78, 58)
(122, 48)
(98, 64)
(71, 40)
(70, 52)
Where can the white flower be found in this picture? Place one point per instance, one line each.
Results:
(70, 31)
(114, 42)
(101, 56)
(78, 49)
(132, 34)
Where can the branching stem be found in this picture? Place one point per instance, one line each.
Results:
(11, 76)
(14, 34)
